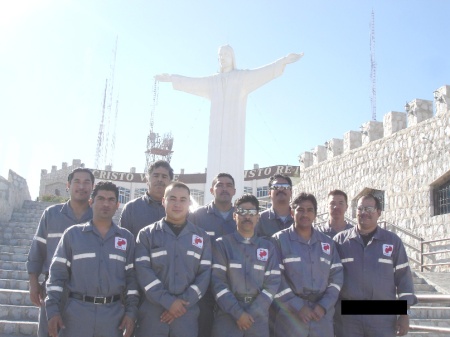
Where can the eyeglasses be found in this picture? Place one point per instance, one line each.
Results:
(281, 187)
(241, 211)
(366, 209)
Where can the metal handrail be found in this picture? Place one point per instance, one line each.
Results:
(430, 298)
(423, 253)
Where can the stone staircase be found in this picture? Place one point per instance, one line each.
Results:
(429, 314)
(18, 316)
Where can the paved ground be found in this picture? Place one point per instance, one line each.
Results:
(441, 281)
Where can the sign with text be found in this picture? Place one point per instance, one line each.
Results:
(260, 173)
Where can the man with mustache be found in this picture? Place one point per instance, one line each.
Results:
(376, 267)
(145, 210)
(245, 276)
(337, 206)
(312, 275)
(54, 221)
(94, 262)
(216, 219)
(278, 216)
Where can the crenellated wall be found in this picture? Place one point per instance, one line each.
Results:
(406, 156)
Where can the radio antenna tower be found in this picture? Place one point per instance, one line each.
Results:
(158, 147)
(373, 68)
(105, 146)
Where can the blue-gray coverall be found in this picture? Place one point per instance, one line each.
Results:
(212, 222)
(54, 221)
(141, 212)
(245, 278)
(378, 271)
(311, 274)
(89, 265)
(327, 230)
(269, 223)
(171, 267)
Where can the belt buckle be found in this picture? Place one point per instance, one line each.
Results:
(248, 299)
(99, 300)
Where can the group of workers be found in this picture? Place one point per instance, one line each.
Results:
(222, 270)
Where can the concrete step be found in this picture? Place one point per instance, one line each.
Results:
(13, 284)
(424, 288)
(14, 274)
(15, 297)
(18, 328)
(17, 236)
(14, 249)
(12, 265)
(443, 323)
(428, 312)
(13, 257)
(19, 313)
(16, 242)
(18, 230)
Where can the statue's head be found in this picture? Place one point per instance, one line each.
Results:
(227, 60)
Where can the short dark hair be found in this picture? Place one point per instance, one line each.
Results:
(339, 192)
(80, 169)
(247, 198)
(371, 196)
(105, 186)
(160, 163)
(223, 174)
(177, 184)
(279, 176)
(303, 196)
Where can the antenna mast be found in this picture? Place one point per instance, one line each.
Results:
(158, 148)
(373, 68)
(105, 147)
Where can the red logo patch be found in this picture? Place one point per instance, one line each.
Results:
(388, 249)
(262, 254)
(197, 241)
(326, 248)
(121, 243)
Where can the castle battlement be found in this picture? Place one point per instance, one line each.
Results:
(417, 111)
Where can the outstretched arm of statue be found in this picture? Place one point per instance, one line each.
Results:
(163, 78)
(292, 57)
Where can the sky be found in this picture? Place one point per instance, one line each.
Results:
(56, 56)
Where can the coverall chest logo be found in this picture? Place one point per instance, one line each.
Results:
(120, 243)
(197, 241)
(326, 248)
(388, 249)
(262, 254)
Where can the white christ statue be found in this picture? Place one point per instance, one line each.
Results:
(228, 91)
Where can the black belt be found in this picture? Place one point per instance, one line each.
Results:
(245, 299)
(95, 300)
(312, 297)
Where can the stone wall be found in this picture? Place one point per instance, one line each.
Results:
(13, 192)
(406, 162)
(55, 181)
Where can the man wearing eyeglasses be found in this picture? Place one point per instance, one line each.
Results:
(375, 268)
(337, 206)
(216, 219)
(312, 275)
(278, 216)
(245, 276)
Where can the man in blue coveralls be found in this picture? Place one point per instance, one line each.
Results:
(54, 221)
(245, 276)
(173, 266)
(216, 219)
(94, 262)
